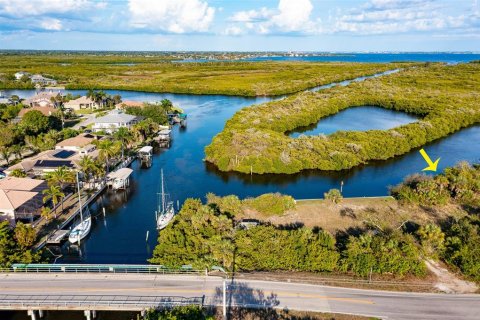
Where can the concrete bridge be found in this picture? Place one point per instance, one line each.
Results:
(138, 288)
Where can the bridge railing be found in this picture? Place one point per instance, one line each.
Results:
(94, 268)
(96, 302)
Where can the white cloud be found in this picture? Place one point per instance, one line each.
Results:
(252, 15)
(233, 31)
(27, 8)
(51, 24)
(397, 16)
(290, 16)
(175, 16)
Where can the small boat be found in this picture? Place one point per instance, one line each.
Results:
(165, 211)
(82, 229)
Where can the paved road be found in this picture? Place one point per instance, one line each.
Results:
(391, 305)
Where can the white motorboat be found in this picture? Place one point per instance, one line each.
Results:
(82, 229)
(165, 211)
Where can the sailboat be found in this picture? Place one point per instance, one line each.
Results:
(165, 211)
(82, 229)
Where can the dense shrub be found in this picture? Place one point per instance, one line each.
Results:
(204, 236)
(460, 184)
(254, 139)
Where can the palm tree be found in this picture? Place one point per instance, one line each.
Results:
(107, 150)
(17, 150)
(124, 136)
(55, 194)
(61, 177)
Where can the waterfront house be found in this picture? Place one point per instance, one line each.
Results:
(51, 160)
(41, 80)
(113, 120)
(42, 99)
(20, 198)
(82, 103)
(19, 75)
(83, 144)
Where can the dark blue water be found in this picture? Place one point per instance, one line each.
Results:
(446, 57)
(356, 119)
(120, 235)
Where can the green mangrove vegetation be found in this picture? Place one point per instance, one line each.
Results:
(158, 74)
(254, 140)
(204, 235)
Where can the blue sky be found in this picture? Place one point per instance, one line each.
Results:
(241, 25)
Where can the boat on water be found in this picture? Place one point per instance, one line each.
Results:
(82, 229)
(165, 212)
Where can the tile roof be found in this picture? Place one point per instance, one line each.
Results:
(46, 111)
(19, 184)
(79, 141)
(13, 199)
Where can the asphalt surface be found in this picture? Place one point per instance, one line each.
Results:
(382, 304)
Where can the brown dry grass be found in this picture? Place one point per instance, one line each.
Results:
(384, 212)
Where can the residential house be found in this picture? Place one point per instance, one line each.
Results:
(51, 160)
(47, 111)
(42, 81)
(83, 144)
(20, 198)
(113, 120)
(82, 103)
(42, 99)
(19, 75)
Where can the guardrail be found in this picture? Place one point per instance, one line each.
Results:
(92, 268)
(94, 302)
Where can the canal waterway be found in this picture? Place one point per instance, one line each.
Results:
(120, 235)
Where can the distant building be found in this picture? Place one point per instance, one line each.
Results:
(20, 198)
(42, 99)
(43, 81)
(115, 119)
(82, 103)
(19, 75)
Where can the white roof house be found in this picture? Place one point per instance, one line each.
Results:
(82, 103)
(41, 80)
(113, 120)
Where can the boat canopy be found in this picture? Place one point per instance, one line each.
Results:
(120, 174)
(165, 132)
(146, 149)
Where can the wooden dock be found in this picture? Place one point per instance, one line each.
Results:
(58, 237)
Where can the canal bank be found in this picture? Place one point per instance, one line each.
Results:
(119, 235)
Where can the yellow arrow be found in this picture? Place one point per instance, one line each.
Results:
(432, 166)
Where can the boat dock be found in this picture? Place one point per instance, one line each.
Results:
(58, 237)
(145, 155)
(163, 138)
(48, 229)
(119, 179)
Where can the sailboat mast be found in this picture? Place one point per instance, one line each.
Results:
(79, 198)
(163, 194)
